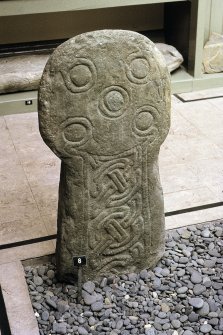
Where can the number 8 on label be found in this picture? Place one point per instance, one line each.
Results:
(79, 260)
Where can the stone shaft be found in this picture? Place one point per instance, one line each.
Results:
(104, 109)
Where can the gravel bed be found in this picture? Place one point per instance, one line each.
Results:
(182, 295)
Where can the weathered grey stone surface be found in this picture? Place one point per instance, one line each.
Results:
(104, 109)
(213, 54)
(172, 56)
(21, 73)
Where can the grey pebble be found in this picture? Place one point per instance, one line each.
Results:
(186, 253)
(37, 280)
(207, 282)
(212, 305)
(133, 319)
(200, 261)
(42, 322)
(89, 299)
(157, 326)
(40, 289)
(205, 328)
(162, 315)
(213, 315)
(50, 274)
(210, 263)
(183, 318)
(91, 321)
(51, 318)
(113, 332)
(62, 306)
(181, 273)
(199, 289)
(157, 282)
(60, 328)
(165, 272)
(50, 302)
(45, 315)
(41, 270)
(144, 274)
(150, 331)
(119, 324)
(99, 297)
(196, 277)
(161, 321)
(205, 233)
(182, 290)
(82, 331)
(132, 277)
(214, 253)
(183, 260)
(176, 324)
(80, 320)
(196, 302)
(87, 314)
(165, 308)
(97, 306)
(204, 310)
(186, 234)
(70, 320)
(37, 305)
(126, 322)
(213, 321)
(89, 286)
(103, 282)
(217, 286)
(166, 326)
(219, 232)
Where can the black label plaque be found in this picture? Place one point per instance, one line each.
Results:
(28, 102)
(79, 260)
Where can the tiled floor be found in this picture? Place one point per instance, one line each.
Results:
(191, 168)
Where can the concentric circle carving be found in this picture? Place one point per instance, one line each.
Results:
(76, 131)
(113, 101)
(144, 121)
(81, 76)
(137, 69)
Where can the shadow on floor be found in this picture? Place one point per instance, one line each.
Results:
(4, 324)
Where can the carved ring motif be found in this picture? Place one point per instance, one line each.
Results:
(81, 76)
(113, 101)
(144, 121)
(76, 131)
(138, 69)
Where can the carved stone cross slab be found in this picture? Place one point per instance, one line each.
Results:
(104, 110)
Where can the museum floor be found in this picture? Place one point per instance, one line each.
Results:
(191, 168)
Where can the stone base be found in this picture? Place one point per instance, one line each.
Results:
(72, 277)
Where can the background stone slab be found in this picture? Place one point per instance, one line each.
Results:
(21, 73)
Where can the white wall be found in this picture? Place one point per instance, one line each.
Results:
(214, 18)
